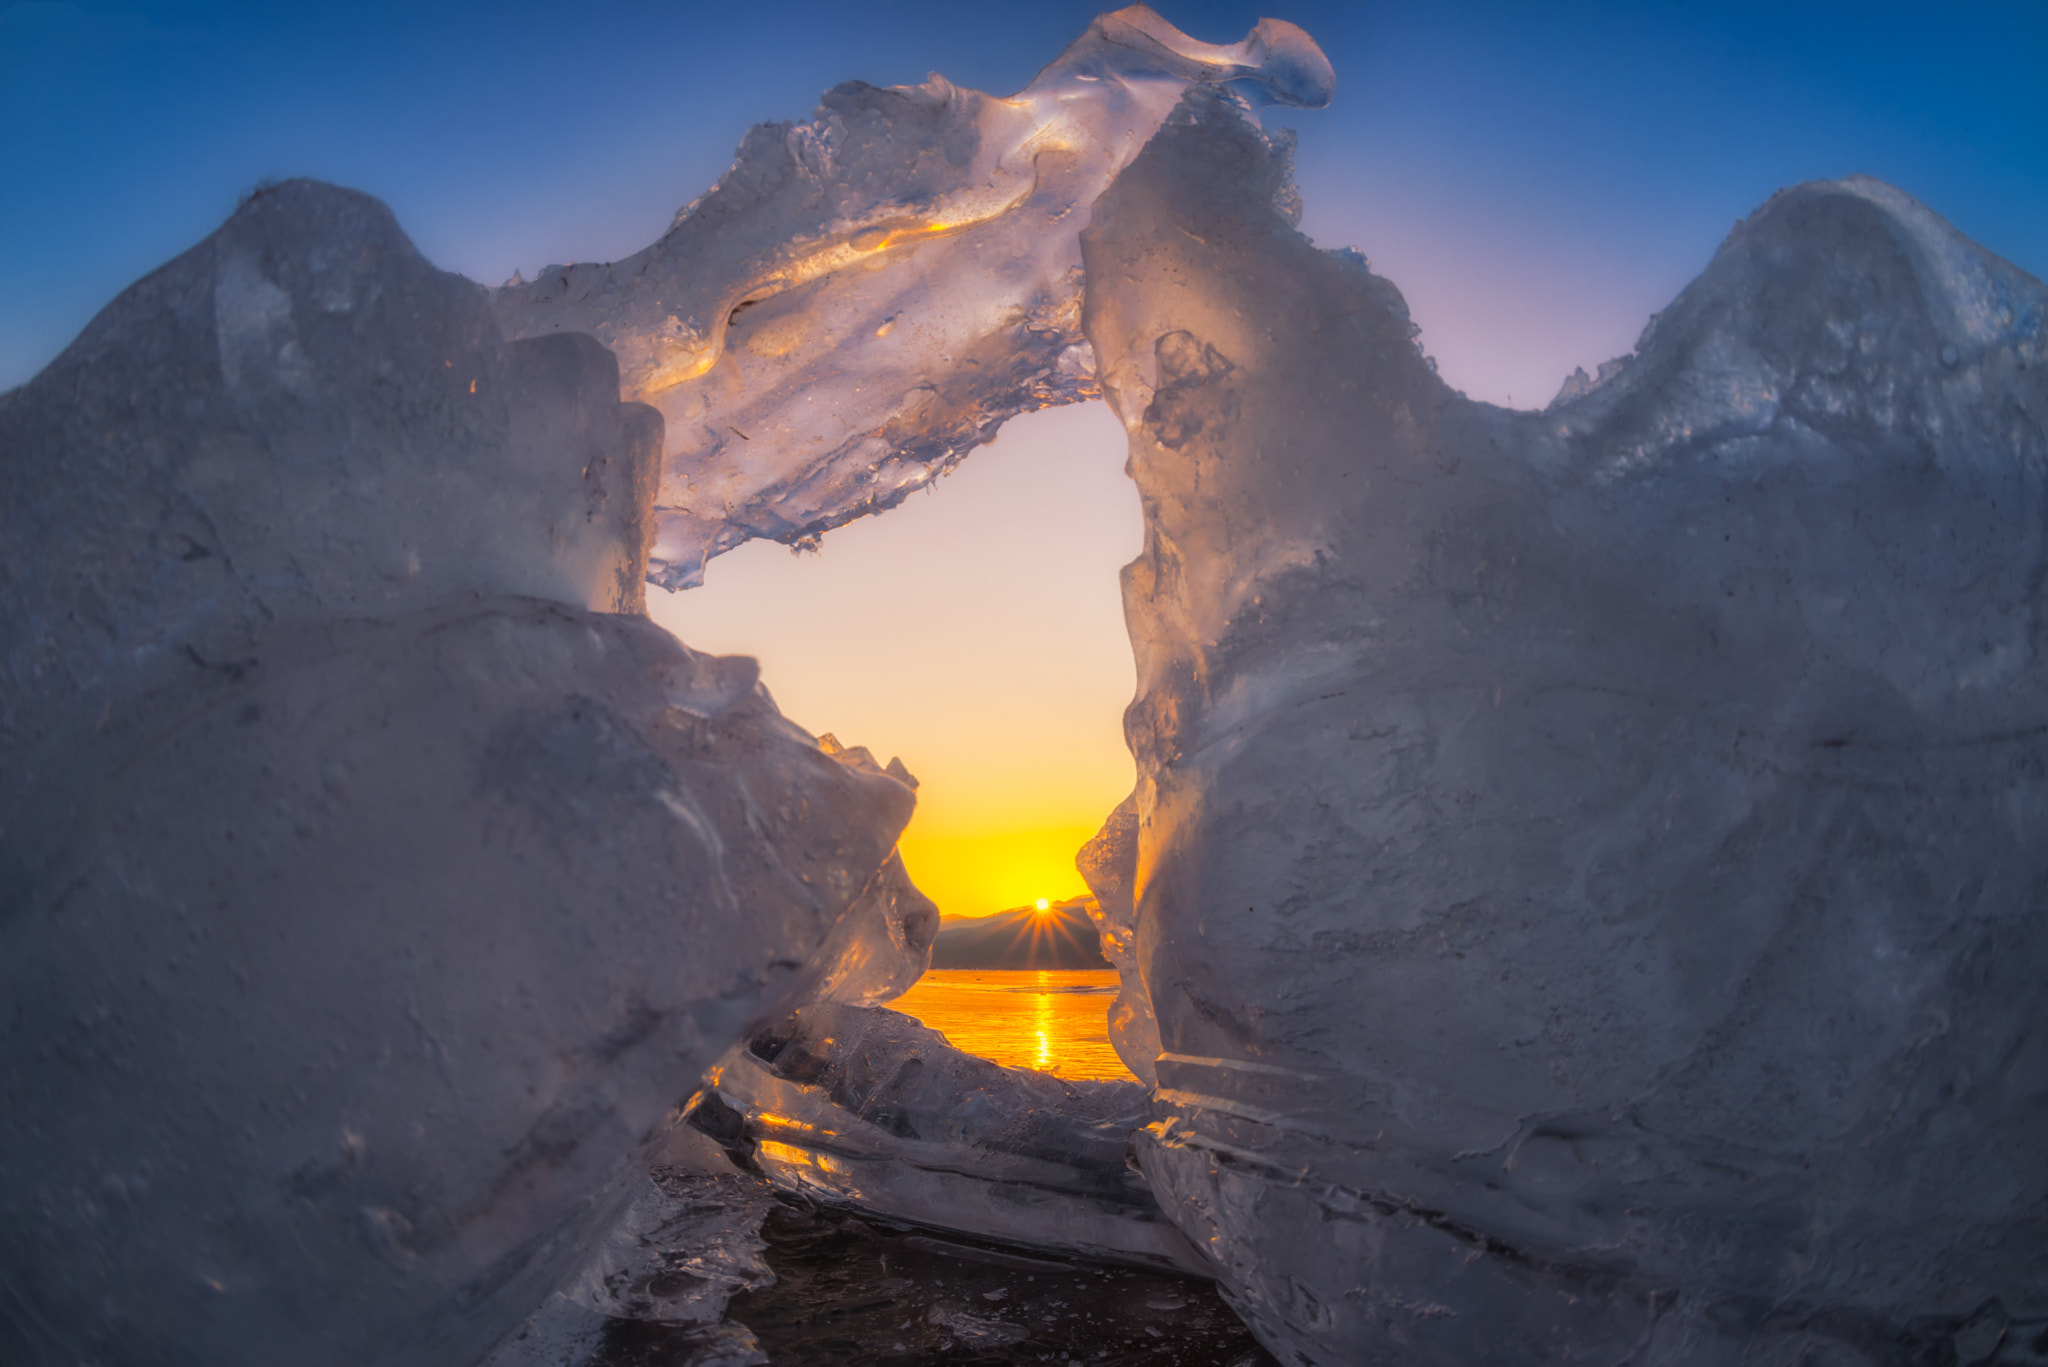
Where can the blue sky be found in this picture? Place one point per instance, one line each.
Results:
(1538, 178)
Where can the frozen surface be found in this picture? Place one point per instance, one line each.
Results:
(864, 1107)
(1590, 874)
(863, 298)
(852, 1290)
(374, 883)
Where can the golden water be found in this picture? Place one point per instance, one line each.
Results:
(1054, 1020)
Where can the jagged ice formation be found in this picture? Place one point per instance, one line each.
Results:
(1590, 878)
(864, 1107)
(1583, 899)
(377, 882)
(865, 297)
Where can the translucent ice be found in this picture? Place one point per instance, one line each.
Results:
(1582, 903)
(688, 1241)
(883, 943)
(1109, 865)
(862, 1106)
(1590, 874)
(864, 298)
(376, 882)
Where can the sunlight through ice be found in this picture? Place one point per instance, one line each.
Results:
(864, 298)
(1581, 901)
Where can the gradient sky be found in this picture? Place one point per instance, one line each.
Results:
(1538, 179)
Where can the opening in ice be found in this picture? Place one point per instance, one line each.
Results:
(859, 303)
(917, 1105)
(1003, 693)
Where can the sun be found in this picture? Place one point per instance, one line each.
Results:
(1044, 905)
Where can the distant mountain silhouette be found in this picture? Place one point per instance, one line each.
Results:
(1061, 936)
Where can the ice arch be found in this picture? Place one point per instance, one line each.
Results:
(377, 881)
(1586, 875)
(1522, 795)
(863, 298)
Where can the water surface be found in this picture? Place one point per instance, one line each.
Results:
(1054, 1020)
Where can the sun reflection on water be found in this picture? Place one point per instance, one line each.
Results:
(1043, 1016)
(1053, 1020)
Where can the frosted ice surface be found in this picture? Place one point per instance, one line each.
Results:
(376, 881)
(865, 297)
(1590, 871)
(865, 1107)
(257, 434)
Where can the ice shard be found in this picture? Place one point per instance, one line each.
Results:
(688, 1241)
(883, 943)
(864, 1107)
(865, 297)
(1109, 865)
(374, 881)
(1591, 876)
